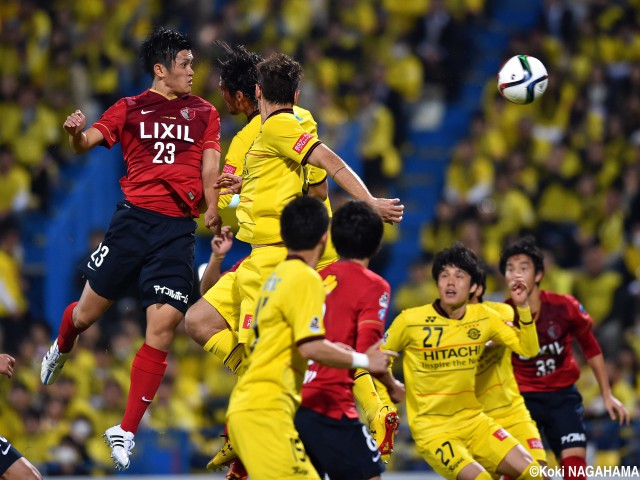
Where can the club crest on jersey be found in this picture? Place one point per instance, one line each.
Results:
(187, 113)
(314, 325)
(553, 332)
(501, 434)
(473, 333)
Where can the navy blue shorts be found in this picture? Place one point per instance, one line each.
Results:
(149, 248)
(8, 455)
(559, 416)
(343, 449)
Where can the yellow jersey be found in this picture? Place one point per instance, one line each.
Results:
(496, 386)
(288, 313)
(441, 355)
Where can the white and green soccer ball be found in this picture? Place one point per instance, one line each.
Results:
(522, 79)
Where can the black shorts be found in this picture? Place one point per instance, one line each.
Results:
(149, 248)
(8, 455)
(559, 416)
(343, 449)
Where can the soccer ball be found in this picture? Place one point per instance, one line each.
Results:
(522, 79)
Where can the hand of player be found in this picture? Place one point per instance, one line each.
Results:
(379, 359)
(519, 291)
(212, 220)
(396, 392)
(616, 409)
(229, 184)
(391, 210)
(6, 364)
(75, 123)
(222, 243)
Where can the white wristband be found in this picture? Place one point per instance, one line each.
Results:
(360, 360)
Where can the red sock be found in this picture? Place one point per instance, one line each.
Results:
(507, 477)
(68, 331)
(146, 375)
(574, 468)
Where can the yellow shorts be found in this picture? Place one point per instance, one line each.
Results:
(523, 429)
(479, 439)
(269, 446)
(224, 297)
(329, 256)
(236, 293)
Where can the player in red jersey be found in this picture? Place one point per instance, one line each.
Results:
(170, 141)
(547, 381)
(356, 310)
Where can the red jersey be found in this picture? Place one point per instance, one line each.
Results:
(356, 310)
(162, 142)
(561, 319)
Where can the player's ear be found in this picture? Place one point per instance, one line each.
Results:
(538, 277)
(159, 70)
(295, 97)
(258, 91)
(472, 290)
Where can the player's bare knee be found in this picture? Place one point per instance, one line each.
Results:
(202, 321)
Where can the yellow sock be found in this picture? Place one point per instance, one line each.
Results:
(528, 475)
(224, 345)
(221, 344)
(484, 476)
(235, 360)
(385, 399)
(366, 395)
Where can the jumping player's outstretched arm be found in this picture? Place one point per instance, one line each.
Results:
(390, 210)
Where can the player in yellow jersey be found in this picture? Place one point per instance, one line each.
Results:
(221, 319)
(442, 343)
(497, 389)
(288, 331)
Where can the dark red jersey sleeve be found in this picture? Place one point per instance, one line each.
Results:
(372, 314)
(583, 328)
(211, 137)
(111, 123)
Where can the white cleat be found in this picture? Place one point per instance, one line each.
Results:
(52, 364)
(121, 443)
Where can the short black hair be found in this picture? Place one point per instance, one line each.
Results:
(459, 256)
(524, 246)
(279, 77)
(162, 46)
(356, 230)
(303, 223)
(482, 281)
(238, 69)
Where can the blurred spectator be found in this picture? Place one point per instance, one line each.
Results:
(418, 290)
(15, 185)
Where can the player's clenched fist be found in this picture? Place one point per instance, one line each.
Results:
(75, 123)
(6, 364)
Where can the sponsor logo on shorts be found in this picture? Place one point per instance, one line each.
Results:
(573, 437)
(535, 443)
(501, 434)
(302, 142)
(247, 321)
(171, 293)
(229, 169)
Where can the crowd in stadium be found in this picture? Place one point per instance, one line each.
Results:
(566, 169)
